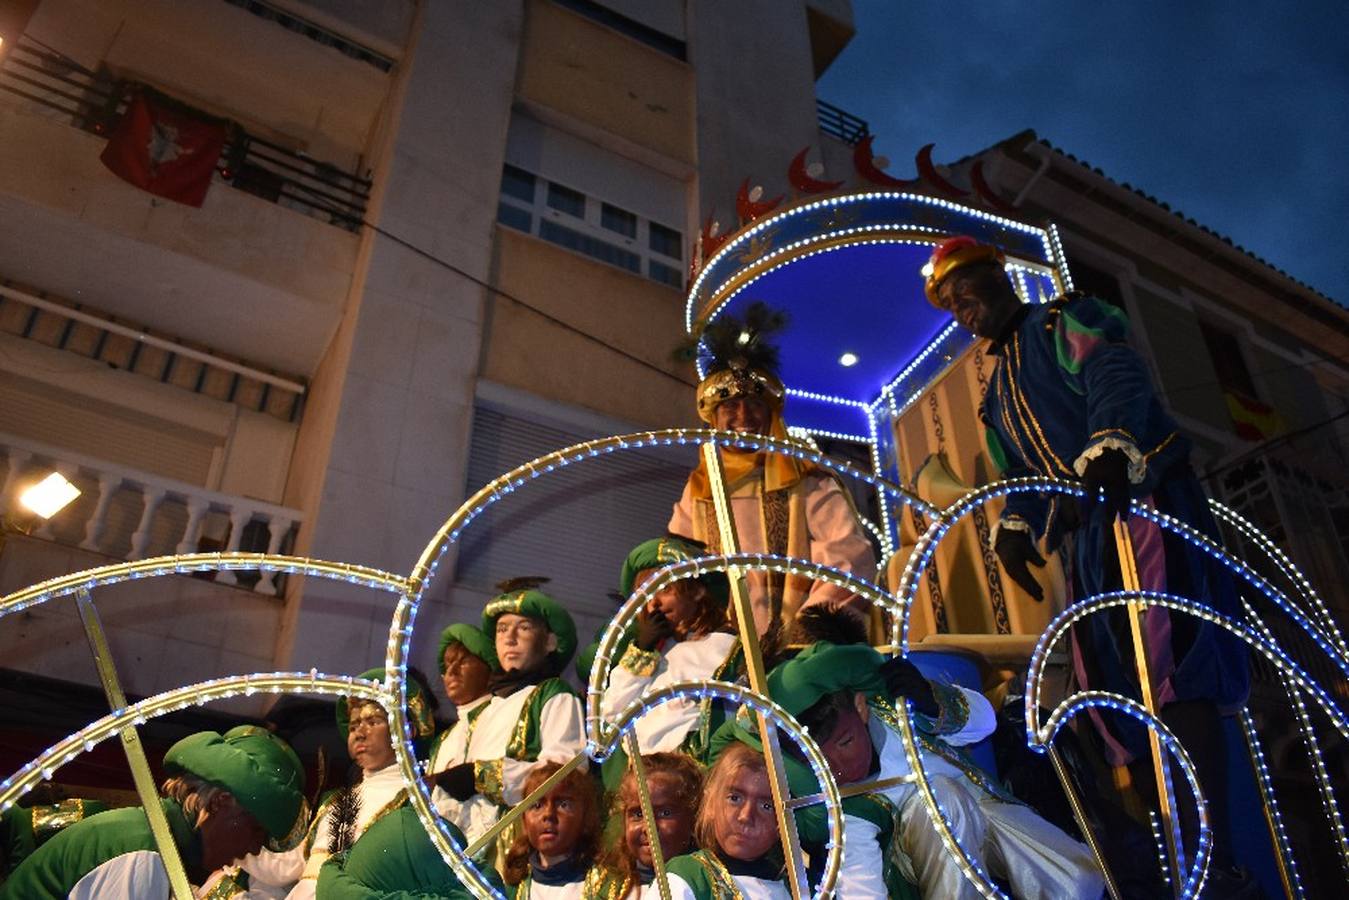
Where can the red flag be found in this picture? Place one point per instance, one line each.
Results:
(163, 148)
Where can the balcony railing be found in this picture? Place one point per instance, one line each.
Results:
(840, 123)
(129, 514)
(93, 101)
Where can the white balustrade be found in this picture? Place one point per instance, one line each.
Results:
(25, 459)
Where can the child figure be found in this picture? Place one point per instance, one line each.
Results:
(552, 857)
(844, 694)
(689, 618)
(535, 716)
(468, 660)
(738, 831)
(675, 783)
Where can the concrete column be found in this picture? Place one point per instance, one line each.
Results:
(380, 459)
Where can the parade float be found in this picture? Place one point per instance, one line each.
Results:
(883, 390)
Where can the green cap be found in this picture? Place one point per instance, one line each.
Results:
(823, 669)
(477, 643)
(259, 769)
(419, 711)
(536, 604)
(658, 553)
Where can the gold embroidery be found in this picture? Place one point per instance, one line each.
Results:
(723, 884)
(515, 747)
(50, 819)
(1029, 416)
(1162, 446)
(489, 778)
(642, 663)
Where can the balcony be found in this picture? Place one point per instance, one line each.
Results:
(837, 122)
(127, 514)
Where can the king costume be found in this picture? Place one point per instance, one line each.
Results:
(782, 505)
(1067, 388)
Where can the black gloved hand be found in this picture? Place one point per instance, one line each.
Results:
(902, 679)
(1016, 548)
(1107, 474)
(457, 781)
(652, 629)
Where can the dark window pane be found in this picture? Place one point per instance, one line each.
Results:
(620, 220)
(573, 203)
(1229, 363)
(664, 274)
(517, 183)
(590, 246)
(514, 216)
(667, 241)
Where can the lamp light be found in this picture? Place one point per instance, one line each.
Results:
(49, 496)
(848, 359)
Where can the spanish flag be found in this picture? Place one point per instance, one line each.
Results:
(1253, 420)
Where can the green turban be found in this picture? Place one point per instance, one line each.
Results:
(536, 604)
(259, 769)
(474, 641)
(823, 669)
(419, 711)
(661, 552)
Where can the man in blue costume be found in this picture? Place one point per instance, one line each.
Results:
(1069, 399)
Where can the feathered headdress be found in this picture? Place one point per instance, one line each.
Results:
(738, 357)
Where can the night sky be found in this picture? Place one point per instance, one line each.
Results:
(1236, 114)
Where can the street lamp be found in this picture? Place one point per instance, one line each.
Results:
(49, 496)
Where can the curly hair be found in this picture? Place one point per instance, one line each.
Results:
(712, 613)
(582, 786)
(193, 794)
(687, 776)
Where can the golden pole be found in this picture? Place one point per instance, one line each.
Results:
(758, 682)
(1160, 767)
(1080, 814)
(135, 753)
(1255, 754)
(648, 816)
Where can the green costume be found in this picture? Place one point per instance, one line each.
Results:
(114, 853)
(394, 860)
(26, 828)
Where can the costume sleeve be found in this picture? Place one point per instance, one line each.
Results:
(836, 539)
(963, 716)
(139, 873)
(561, 736)
(628, 680)
(681, 516)
(1026, 511)
(665, 727)
(862, 874)
(1090, 342)
(266, 868)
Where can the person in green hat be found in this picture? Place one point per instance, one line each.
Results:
(845, 694)
(535, 716)
(345, 814)
(468, 660)
(394, 860)
(226, 795)
(689, 620)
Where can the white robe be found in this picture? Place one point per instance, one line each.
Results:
(664, 728)
(375, 792)
(1039, 860)
(561, 736)
(476, 814)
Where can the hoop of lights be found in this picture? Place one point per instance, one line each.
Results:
(603, 736)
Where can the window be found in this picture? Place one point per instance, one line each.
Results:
(573, 203)
(1228, 361)
(517, 183)
(620, 220)
(585, 224)
(584, 243)
(666, 241)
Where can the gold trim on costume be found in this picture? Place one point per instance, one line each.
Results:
(489, 779)
(642, 663)
(57, 816)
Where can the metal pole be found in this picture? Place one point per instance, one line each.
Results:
(1161, 769)
(135, 753)
(758, 682)
(648, 816)
(1080, 814)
